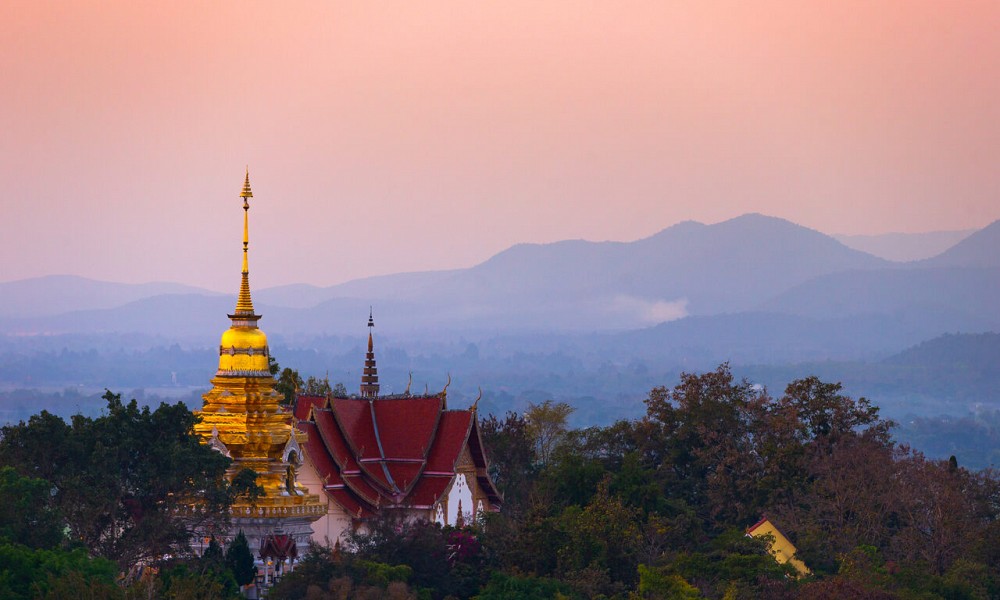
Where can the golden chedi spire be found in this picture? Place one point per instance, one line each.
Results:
(243, 349)
(244, 304)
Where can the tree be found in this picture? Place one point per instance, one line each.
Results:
(37, 573)
(118, 479)
(317, 387)
(288, 385)
(513, 587)
(823, 413)
(547, 426)
(660, 585)
(26, 513)
(512, 457)
(701, 439)
(213, 555)
(603, 537)
(732, 564)
(240, 561)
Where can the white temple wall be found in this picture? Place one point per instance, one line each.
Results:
(328, 528)
(459, 498)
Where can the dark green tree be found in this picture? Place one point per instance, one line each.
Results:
(27, 573)
(240, 561)
(27, 514)
(213, 555)
(512, 457)
(117, 480)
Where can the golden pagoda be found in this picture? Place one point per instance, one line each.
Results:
(241, 418)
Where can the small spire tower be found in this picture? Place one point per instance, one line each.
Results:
(369, 380)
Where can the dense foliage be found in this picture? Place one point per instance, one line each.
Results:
(658, 507)
(650, 508)
(96, 506)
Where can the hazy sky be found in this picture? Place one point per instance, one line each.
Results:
(393, 136)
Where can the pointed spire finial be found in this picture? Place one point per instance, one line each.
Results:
(244, 305)
(369, 380)
(246, 193)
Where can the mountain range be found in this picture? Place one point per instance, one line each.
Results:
(760, 283)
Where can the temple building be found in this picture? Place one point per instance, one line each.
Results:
(241, 418)
(367, 454)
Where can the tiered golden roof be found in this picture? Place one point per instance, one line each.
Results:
(241, 416)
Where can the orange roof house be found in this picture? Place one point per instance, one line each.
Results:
(782, 549)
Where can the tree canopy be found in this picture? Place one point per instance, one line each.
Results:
(658, 507)
(651, 508)
(117, 479)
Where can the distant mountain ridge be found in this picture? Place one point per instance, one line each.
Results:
(689, 268)
(56, 294)
(748, 265)
(904, 247)
(981, 249)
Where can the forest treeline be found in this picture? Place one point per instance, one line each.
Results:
(108, 507)
(658, 508)
(655, 507)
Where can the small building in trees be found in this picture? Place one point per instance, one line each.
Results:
(241, 418)
(366, 454)
(782, 549)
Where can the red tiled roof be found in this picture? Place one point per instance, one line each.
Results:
(334, 441)
(452, 434)
(382, 452)
(407, 425)
(278, 546)
(304, 403)
(752, 528)
(321, 460)
(355, 418)
(336, 449)
(350, 503)
(428, 491)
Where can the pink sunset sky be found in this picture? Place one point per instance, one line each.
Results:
(395, 136)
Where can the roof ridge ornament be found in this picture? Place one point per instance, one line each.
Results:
(444, 394)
